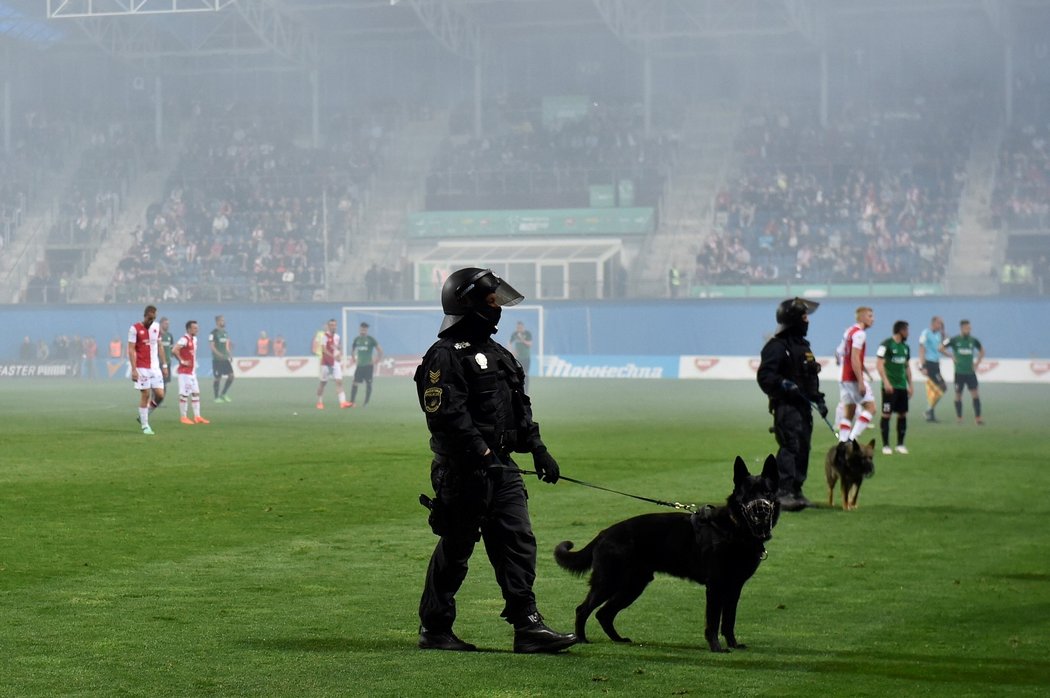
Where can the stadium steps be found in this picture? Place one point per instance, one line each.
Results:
(28, 244)
(687, 211)
(145, 188)
(398, 189)
(978, 249)
(706, 154)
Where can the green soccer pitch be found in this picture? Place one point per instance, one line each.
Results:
(280, 550)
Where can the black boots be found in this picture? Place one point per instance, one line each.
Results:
(444, 640)
(532, 635)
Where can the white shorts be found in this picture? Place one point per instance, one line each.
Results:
(188, 384)
(149, 378)
(849, 394)
(335, 372)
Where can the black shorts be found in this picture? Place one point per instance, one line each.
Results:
(363, 374)
(897, 401)
(965, 380)
(933, 373)
(221, 367)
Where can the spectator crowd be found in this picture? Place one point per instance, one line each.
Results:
(246, 212)
(873, 197)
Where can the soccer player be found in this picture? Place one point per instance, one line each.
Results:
(895, 372)
(149, 364)
(930, 350)
(331, 366)
(967, 353)
(853, 389)
(367, 352)
(189, 389)
(221, 359)
(520, 345)
(167, 341)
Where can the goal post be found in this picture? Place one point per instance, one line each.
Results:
(405, 332)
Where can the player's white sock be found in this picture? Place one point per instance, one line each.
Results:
(144, 416)
(196, 406)
(342, 396)
(182, 405)
(844, 427)
(862, 423)
(840, 413)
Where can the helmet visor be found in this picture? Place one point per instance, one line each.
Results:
(808, 307)
(484, 283)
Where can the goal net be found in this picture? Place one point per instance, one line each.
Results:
(406, 332)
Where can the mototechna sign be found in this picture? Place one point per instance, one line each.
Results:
(598, 366)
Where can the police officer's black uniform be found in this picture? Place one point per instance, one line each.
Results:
(788, 374)
(471, 391)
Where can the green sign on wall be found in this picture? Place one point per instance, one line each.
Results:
(567, 221)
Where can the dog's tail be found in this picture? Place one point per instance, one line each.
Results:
(576, 562)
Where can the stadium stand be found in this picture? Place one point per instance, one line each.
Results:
(245, 213)
(872, 198)
(532, 158)
(1021, 199)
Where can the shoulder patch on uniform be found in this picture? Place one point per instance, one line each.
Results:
(435, 376)
(461, 345)
(432, 399)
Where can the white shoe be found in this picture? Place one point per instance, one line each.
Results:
(902, 449)
(887, 451)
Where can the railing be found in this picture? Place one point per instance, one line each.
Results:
(26, 257)
(243, 291)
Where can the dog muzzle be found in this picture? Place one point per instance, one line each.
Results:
(760, 515)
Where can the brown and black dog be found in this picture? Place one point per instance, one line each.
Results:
(719, 546)
(852, 463)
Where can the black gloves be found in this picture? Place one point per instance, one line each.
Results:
(546, 467)
(490, 460)
(822, 407)
(790, 387)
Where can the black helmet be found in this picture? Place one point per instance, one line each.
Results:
(465, 291)
(790, 312)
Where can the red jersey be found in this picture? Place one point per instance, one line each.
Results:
(329, 348)
(186, 349)
(146, 340)
(855, 338)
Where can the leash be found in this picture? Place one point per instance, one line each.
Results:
(692, 508)
(813, 405)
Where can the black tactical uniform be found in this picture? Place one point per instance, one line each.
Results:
(471, 390)
(788, 374)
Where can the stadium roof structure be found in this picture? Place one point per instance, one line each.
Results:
(299, 33)
(17, 25)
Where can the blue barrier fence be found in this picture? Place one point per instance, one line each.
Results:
(1009, 328)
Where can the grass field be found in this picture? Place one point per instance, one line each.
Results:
(274, 553)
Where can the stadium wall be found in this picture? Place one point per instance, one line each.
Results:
(1009, 328)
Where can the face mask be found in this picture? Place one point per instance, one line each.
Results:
(491, 315)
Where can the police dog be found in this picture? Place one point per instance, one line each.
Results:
(719, 546)
(852, 463)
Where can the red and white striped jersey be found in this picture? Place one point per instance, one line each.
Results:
(855, 337)
(330, 349)
(186, 349)
(146, 341)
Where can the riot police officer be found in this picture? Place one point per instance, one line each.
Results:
(471, 390)
(788, 374)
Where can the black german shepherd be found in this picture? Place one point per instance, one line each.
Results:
(718, 546)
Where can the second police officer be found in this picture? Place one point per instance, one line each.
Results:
(788, 374)
(471, 390)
